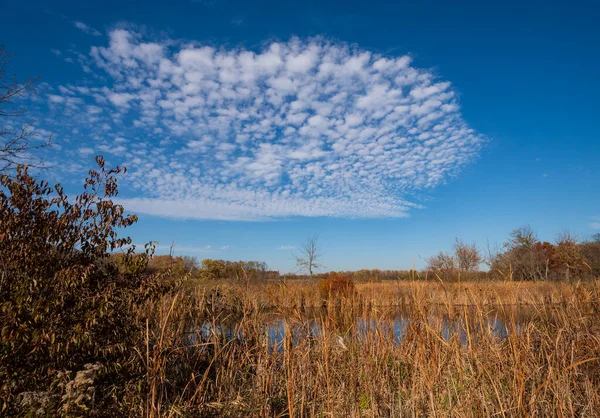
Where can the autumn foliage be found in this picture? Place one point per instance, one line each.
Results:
(526, 258)
(336, 285)
(63, 302)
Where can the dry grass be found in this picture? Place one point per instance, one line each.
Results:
(209, 351)
(296, 293)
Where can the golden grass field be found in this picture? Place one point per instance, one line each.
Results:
(213, 352)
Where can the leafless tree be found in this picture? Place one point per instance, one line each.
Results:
(467, 256)
(567, 237)
(442, 262)
(521, 237)
(493, 252)
(190, 263)
(17, 137)
(310, 256)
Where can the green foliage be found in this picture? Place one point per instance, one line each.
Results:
(364, 402)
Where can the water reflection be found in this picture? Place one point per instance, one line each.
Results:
(394, 325)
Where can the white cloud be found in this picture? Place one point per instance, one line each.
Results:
(85, 151)
(303, 62)
(595, 224)
(120, 99)
(53, 98)
(184, 249)
(298, 128)
(86, 29)
(285, 247)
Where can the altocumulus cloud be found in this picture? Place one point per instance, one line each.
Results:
(297, 128)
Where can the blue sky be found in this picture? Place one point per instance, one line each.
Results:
(386, 129)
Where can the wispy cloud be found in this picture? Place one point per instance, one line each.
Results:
(86, 29)
(237, 21)
(298, 128)
(286, 247)
(182, 249)
(595, 224)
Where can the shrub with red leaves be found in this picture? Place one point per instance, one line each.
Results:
(336, 285)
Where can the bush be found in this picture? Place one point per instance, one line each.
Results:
(63, 302)
(336, 285)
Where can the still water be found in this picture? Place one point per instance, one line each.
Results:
(392, 325)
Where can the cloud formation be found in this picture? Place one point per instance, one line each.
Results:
(178, 250)
(298, 128)
(595, 224)
(86, 29)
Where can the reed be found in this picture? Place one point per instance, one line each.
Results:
(214, 352)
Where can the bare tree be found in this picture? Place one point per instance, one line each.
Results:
(189, 263)
(309, 259)
(17, 138)
(467, 256)
(493, 252)
(442, 262)
(522, 237)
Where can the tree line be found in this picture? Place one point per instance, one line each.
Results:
(523, 257)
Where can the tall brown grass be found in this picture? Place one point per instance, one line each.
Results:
(546, 365)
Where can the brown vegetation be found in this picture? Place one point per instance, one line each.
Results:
(546, 364)
(85, 333)
(526, 258)
(336, 285)
(63, 302)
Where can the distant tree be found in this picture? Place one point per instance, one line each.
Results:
(467, 256)
(234, 270)
(567, 257)
(212, 269)
(190, 263)
(310, 256)
(545, 258)
(17, 137)
(174, 264)
(493, 253)
(522, 257)
(443, 262)
(590, 252)
(596, 237)
(521, 237)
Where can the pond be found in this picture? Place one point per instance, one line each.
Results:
(391, 324)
